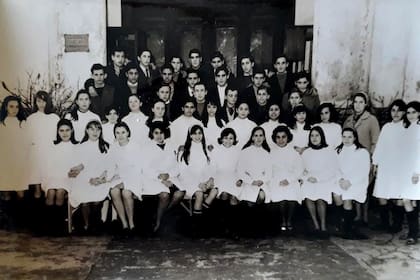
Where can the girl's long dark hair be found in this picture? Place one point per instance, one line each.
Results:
(264, 144)
(187, 146)
(43, 95)
(149, 120)
(68, 123)
(323, 140)
(73, 112)
(218, 116)
(333, 112)
(21, 115)
(102, 144)
(416, 106)
(295, 111)
(356, 140)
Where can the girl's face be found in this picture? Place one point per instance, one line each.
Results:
(295, 99)
(258, 138)
(121, 134)
(112, 116)
(158, 136)
(412, 115)
(134, 104)
(348, 138)
(274, 112)
(93, 132)
(228, 140)
(302, 84)
(281, 139)
(159, 110)
(315, 138)
(211, 110)
(300, 117)
(396, 114)
(83, 102)
(197, 136)
(325, 115)
(12, 108)
(41, 104)
(243, 111)
(64, 132)
(359, 105)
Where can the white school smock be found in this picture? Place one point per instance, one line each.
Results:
(287, 165)
(300, 136)
(95, 163)
(254, 164)
(138, 128)
(61, 158)
(268, 127)
(157, 161)
(13, 152)
(388, 157)
(108, 133)
(411, 164)
(179, 131)
(128, 161)
(212, 132)
(243, 129)
(80, 124)
(321, 164)
(197, 171)
(332, 133)
(42, 130)
(225, 161)
(354, 166)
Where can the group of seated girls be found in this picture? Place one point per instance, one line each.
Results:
(137, 155)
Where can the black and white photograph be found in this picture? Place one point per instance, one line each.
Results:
(209, 139)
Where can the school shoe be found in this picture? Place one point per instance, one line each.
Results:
(411, 241)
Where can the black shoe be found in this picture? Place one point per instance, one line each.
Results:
(411, 241)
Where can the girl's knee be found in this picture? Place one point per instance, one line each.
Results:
(127, 194)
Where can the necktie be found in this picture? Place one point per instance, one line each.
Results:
(147, 73)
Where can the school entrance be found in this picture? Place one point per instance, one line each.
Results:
(234, 27)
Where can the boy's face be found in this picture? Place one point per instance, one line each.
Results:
(221, 78)
(132, 75)
(112, 116)
(188, 109)
(258, 79)
(167, 75)
(216, 62)
(195, 60)
(231, 97)
(118, 59)
(262, 97)
(302, 84)
(176, 64)
(281, 65)
(192, 79)
(99, 76)
(164, 93)
(200, 93)
(247, 65)
(144, 58)
(243, 111)
(159, 109)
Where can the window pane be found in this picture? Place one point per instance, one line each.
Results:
(190, 39)
(156, 43)
(226, 43)
(261, 47)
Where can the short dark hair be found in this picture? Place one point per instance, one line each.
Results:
(221, 68)
(97, 66)
(248, 56)
(280, 56)
(131, 65)
(197, 51)
(167, 66)
(333, 111)
(159, 125)
(122, 124)
(225, 132)
(217, 54)
(282, 128)
(117, 49)
(144, 50)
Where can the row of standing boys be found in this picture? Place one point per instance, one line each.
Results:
(261, 137)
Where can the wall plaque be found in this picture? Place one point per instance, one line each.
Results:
(76, 42)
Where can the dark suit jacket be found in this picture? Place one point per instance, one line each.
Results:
(276, 92)
(100, 102)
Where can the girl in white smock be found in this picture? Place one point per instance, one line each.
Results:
(272, 123)
(136, 120)
(320, 178)
(328, 122)
(241, 124)
(300, 128)
(254, 169)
